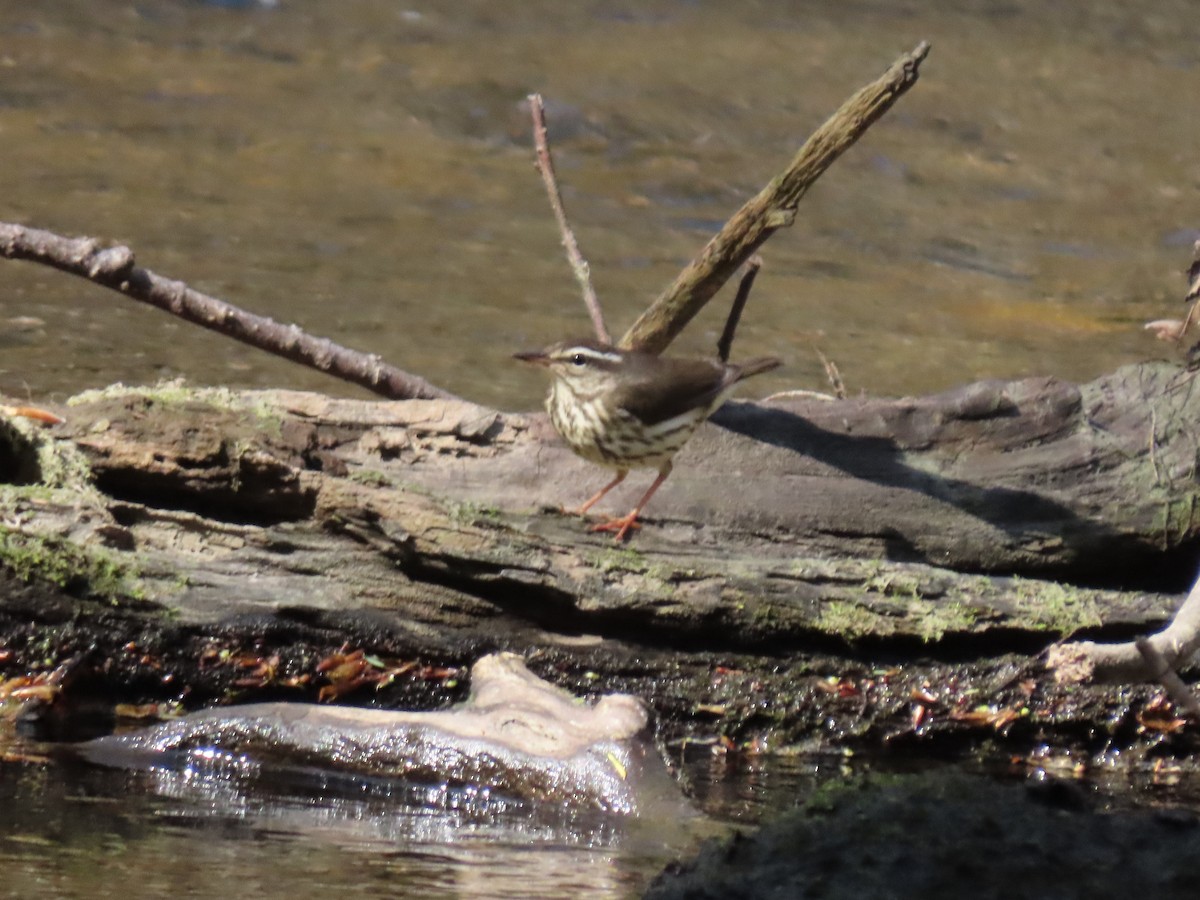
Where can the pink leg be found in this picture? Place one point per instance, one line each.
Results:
(625, 524)
(600, 493)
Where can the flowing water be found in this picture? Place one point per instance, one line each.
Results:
(70, 830)
(363, 169)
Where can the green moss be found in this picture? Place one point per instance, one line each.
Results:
(1055, 607)
(620, 559)
(1176, 529)
(933, 620)
(894, 584)
(42, 458)
(173, 392)
(827, 796)
(370, 477)
(468, 513)
(97, 573)
(176, 393)
(852, 620)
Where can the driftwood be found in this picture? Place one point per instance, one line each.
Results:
(1034, 478)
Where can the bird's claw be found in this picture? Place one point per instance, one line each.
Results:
(622, 526)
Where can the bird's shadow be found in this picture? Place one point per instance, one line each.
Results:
(1091, 552)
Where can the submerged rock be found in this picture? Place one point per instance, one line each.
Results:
(516, 737)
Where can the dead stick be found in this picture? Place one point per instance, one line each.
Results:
(832, 375)
(739, 303)
(773, 208)
(114, 268)
(579, 265)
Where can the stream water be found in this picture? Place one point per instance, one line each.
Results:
(72, 830)
(363, 169)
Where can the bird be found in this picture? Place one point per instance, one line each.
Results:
(627, 409)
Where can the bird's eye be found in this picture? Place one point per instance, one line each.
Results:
(577, 359)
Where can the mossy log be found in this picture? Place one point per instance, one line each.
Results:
(797, 540)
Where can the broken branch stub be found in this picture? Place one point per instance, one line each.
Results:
(774, 207)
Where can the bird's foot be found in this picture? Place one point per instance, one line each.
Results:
(622, 526)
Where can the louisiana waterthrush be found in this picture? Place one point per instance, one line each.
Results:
(626, 409)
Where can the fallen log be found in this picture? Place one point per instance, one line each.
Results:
(1036, 478)
(804, 540)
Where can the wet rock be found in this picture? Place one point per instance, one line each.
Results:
(940, 835)
(516, 736)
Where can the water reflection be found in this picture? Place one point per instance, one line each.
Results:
(232, 828)
(208, 827)
(228, 827)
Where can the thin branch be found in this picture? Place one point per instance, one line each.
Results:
(114, 268)
(579, 265)
(773, 208)
(832, 374)
(739, 303)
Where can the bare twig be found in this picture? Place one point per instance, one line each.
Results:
(579, 265)
(832, 374)
(773, 208)
(114, 268)
(739, 303)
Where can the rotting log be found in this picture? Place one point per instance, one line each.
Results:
(797, 540)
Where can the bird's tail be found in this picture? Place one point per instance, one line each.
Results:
(757, 366)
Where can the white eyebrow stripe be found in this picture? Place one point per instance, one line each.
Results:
(590, 353)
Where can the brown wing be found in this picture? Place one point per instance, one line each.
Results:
(656, 389)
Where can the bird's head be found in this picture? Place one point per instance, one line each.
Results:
(587, 367)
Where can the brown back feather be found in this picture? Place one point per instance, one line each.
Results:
(659, 388)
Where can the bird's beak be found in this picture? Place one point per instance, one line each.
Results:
(536, 357)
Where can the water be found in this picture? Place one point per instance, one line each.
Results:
(363, 169)
(73, 830)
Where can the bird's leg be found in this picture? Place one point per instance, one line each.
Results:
(625, 524)
(600, 493)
